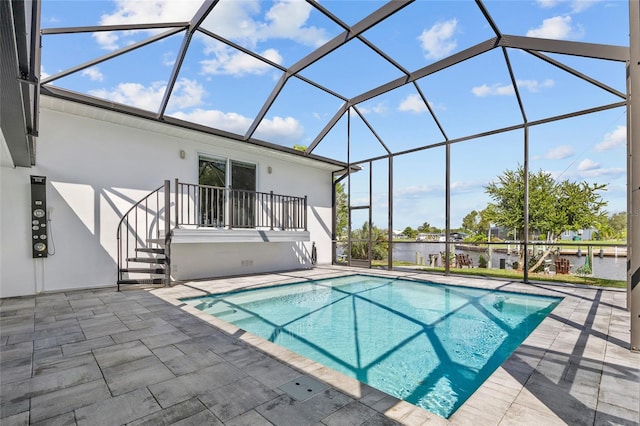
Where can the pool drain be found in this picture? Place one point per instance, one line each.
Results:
(303, 388)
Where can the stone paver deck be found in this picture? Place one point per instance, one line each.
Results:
(142, 357)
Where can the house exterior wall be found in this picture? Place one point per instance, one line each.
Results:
(98, 163)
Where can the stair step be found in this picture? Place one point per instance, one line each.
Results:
(143, 281)
(158, 260)
(144, 270)
(150, 250)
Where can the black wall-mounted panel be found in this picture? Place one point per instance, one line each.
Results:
(39, 243)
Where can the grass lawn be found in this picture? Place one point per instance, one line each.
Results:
(516, 275)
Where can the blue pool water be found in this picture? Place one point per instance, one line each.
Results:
(429, 344)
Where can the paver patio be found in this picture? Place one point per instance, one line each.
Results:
(140, 356)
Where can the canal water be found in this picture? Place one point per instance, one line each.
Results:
(609, 267)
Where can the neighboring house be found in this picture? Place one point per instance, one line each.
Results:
(581, 234)
(97, 163)
(398, 234)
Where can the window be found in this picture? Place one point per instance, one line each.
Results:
(243, 185)
(216, 202)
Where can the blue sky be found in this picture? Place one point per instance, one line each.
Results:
(222, 87)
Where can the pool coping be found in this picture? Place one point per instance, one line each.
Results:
(514, 393)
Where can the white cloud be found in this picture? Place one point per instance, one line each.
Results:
(493, 90)
(613, 139)
(137, 12)
(588, 164)
(559, 153)
(558, 27)
(596, 173)
(498, 89)
(412, 103)
(186, 93)
(379, 108)
(229, 61)
(576, 6)
(467, 187)
(437, 42)
(535, 86)
(134, 94)
(43, 73)
(286, 19)
(237, 20)
(93, 73)
(231, 122)
(547, 4)
(107, 40)
(283, 130)
(419, 191)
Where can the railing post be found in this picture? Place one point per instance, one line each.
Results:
(230, 201)
(177, 201)
(271, 212)
(167, 208)
(167, 231)
(305, 212)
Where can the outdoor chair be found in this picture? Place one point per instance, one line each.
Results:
(562, 266)
(463, 260)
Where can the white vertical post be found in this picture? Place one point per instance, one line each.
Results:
(633, 166)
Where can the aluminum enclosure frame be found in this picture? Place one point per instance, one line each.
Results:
(23, 93)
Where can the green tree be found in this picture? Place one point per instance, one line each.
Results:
(360, 243)
(410, 232)
(426, 227)
(553, 206)
(476, 223)
(342, 212)
(300, 147)
(618, 224)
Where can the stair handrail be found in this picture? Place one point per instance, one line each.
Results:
(134, 230)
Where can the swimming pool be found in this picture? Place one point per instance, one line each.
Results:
(429, 344)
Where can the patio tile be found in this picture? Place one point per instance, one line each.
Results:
(165, 339)
(118, 410)
(113, 355)
(354, 413)
(521, 415)
(271, 372)
(65, 400)
(48, 342)
(59, 364)
(66, 419)
(141, 333)
(16, 324)
(615, 415)
(167, 353)
(286, 410)
(181, 388)
(380, 420)
(15, 371)
(86, 345)
(126, 377)
(19, 419)
(171, 415)
(237, 398)
(194, 362)
(250, 418)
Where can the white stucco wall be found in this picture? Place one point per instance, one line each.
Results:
(98, 162)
